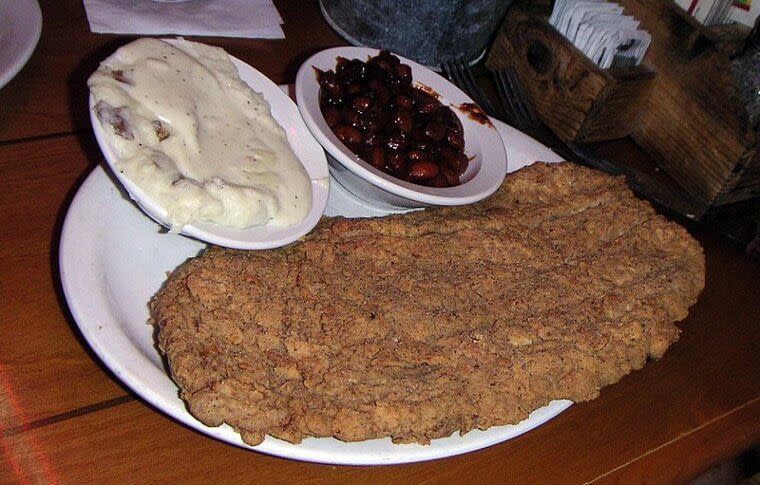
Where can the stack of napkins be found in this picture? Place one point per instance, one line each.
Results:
(601, 31)
(217, 18)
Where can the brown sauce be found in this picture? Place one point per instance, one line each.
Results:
(476, 114)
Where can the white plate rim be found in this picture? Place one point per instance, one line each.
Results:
(26, 41)
(78, 257)
(306, 147)
(490, 155)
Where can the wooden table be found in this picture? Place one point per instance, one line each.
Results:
(64, 417)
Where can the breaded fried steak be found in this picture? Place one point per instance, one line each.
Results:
(418, 325)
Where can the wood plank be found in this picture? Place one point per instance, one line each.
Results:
(63, 417)
(49, 95)
(704, 386)
(718, 440)
(45, 369)
(580, 445)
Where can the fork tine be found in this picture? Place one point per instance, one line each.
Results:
(512, 104)
(516, 86)
(457, 76)
(518, 101)
(464, 78)
(446, 69)
(506, 101)
(452, 72)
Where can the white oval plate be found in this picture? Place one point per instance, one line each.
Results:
(306, 148)
(20, 29)
(111, 266)
(488, 163)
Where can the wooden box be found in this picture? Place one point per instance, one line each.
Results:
(696, 125)
(689, 117)
(575, 98)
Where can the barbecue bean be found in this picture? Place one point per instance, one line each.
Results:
(402, 130)
(361, 103)
(435, 131)
(397, 141)
(403, 121)
(348, 135)
(455, 139)
(423, 170)
(332, 116)
(377, 157)
(403, 102)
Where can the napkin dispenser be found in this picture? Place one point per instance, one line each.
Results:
(576, 99)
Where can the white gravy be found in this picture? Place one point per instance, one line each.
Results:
(193, 135)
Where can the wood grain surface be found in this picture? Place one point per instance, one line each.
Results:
(575, 98)
(65, 419)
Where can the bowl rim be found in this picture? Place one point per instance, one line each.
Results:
(257, 237)
(492, 165)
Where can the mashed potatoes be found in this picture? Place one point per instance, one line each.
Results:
(195, 137)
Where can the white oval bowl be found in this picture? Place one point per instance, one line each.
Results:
(484, 175)
(306, 148)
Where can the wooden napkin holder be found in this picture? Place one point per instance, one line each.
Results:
(576, 99)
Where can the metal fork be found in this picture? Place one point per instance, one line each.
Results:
(524, 118)
(461, 75)
(516, 110)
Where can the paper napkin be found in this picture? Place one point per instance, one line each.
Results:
(217, 18)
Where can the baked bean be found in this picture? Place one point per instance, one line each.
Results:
(403, 102)
(370, 125)
(351, 117)
(448, 118)
(435, 131)
(327, 99)
(353, 89)
(361, 103)
(386, 54)
(402, 130)
(425, 145)
(459, 163)
(423, 170)
(379, 90)
(427, 106)
(394, 82)
(377, 157)
(397, 141)
(328, 80)
(332, 116)
(375, 139)
(403, 121)
(416, 155)
(448, 154)
(404, 73)
(396, 162)
(452, 177)
(352, 71)
(385, 65)
(348, 135)
(455, 139)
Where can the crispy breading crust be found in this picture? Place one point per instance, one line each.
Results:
(419, 325)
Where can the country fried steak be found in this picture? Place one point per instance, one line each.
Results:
(418, 325)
